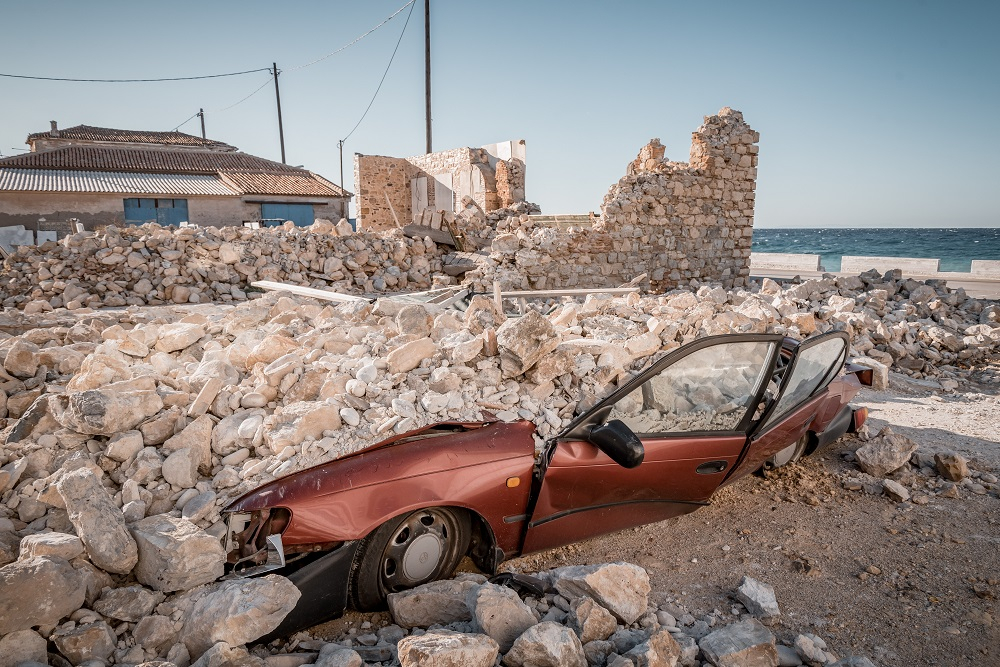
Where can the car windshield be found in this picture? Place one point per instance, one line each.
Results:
(710, 389)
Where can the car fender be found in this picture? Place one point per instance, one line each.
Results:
(484, 468)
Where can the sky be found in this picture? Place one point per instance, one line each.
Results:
(871, 113)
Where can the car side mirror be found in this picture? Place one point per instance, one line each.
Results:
(619, 442)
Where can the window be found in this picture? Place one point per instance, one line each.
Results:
(814, 367)
(710, 389)
(161, 211)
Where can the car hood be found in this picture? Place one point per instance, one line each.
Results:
(441, 446)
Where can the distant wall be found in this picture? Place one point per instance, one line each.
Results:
(674, 221)
(491, 176)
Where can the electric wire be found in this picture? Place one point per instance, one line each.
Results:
(384, 74)
(174, 78)
(241, 101)
(357, 39)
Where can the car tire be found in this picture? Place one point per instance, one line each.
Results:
(789, 454)
(407, 551)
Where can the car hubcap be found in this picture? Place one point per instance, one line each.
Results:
(416, 551)
(784, 456)
(422, 557)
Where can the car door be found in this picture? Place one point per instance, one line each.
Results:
(692, 411)
(812, 367)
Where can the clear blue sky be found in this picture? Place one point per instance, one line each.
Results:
(870, 113)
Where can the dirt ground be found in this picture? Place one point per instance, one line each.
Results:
(902, 584)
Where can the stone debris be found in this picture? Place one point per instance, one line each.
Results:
(153, 265)
(125, 432)
(554, 640)
(758, 598)
(885, 453)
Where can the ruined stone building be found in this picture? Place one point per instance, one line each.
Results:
(673, 221)
(101, 176)
(491, 177)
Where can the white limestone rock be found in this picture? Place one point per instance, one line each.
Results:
(547, 644)
(445, 648)
(500, 613)
(38, 591)
(175, 555)
(98, 522)
(236, 612)
(621, 588)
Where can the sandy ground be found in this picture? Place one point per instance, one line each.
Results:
(903, 584)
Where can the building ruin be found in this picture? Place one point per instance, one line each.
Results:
(391, 190)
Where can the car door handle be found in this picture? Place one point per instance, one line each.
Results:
(711, 467)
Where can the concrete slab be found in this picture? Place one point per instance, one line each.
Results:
(784, 261)
(985, 268)
(15, 236)
(910, 265)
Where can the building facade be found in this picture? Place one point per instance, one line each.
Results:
(102, 176)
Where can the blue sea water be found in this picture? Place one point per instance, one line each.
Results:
(956, 247)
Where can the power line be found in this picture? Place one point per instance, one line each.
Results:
(175, 78)
(384, 74)
(241, 101)
(357, 39)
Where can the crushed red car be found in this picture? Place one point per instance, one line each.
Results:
(405, 511)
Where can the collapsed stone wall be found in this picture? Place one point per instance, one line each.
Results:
(674, 221)
(150, 265)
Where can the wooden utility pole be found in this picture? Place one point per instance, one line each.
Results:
(277, 97)
(427, 67)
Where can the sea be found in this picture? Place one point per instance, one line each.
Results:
(956, 247)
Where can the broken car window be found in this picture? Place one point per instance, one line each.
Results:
(812, 367)
(708, 390)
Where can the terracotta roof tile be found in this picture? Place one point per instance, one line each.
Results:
(245, 174)
(304, 183)
(102, 158)
(90, 133)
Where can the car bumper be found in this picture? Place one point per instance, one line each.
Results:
(323, 584)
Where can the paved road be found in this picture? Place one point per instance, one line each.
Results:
(975, 287)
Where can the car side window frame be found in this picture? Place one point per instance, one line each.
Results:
(600, 411)
(764, 423)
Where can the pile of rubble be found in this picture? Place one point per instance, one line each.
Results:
(893, 465)
(150, 265)
(593, 615)
(123, 440)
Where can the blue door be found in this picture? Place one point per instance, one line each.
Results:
(300, 214)
(161, 211)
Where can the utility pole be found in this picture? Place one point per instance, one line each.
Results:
(201, 112)
(340, 145)
(427, 67)
(277, 97)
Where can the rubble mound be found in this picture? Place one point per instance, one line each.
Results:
(151, 265)
(124, 435)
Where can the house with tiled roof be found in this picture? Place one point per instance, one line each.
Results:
(102, 176)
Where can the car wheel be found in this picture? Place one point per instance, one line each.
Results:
(407, 551)
(789, 454)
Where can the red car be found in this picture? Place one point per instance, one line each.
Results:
(403, 512)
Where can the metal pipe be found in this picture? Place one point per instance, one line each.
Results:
(201, 112)
(277, 98)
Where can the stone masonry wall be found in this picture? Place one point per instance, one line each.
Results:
(674, 221)
(472, 172)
